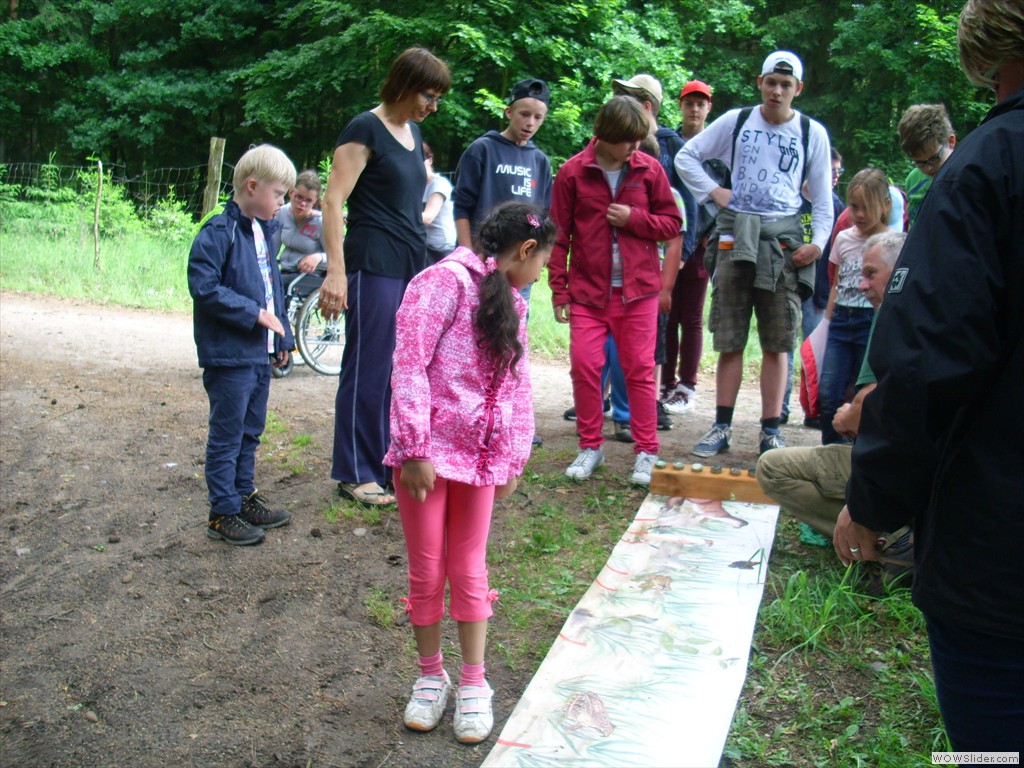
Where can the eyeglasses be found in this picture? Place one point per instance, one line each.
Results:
(430, 99)
(838, 171)
(932, 161)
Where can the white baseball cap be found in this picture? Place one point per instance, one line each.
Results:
(783, 63)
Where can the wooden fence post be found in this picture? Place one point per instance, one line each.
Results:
(213, 169)
(96, 217)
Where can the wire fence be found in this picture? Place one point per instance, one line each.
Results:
(145, 189)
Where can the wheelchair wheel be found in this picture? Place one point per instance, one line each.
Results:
(321, 341)
(284, 370)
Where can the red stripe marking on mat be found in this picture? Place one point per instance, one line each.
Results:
(570, 640)
(616, 570)
(514, 744)
(602, 586)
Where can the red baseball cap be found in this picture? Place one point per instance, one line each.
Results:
(696, 86)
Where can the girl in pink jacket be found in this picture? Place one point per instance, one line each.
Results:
(461, 428)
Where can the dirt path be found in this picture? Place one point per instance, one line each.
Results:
(130, 639)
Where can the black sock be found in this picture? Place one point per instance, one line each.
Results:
(772, 424)
(723, 414)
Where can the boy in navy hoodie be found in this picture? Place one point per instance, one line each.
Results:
(240, 329)
(505, 165)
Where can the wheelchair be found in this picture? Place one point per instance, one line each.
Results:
(320, 342)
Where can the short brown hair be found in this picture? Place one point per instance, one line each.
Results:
(415, 69)
(923, 126)
(621, 118)
(310, 179)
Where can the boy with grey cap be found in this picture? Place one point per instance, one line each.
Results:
(761, 263)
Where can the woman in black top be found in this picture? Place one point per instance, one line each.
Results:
(378, 170)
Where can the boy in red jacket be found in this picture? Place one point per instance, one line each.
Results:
(612, 205)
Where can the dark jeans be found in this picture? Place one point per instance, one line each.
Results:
(979, 680)
(684, 337)
(238, 415)
(847, 341)
(362, 408)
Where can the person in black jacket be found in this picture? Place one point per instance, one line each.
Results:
(941, 436)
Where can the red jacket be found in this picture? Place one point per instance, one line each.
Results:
(578, 206)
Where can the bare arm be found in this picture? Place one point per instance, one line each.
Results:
(433, 207)
(847, 419)
(349, 161)
(669, 272)
(463, 234)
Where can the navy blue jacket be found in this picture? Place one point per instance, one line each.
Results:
(494, 170)
(228, 292)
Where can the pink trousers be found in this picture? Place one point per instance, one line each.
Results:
(634, 326)
(446, 539)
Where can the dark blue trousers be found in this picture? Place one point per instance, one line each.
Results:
(979, 680)
(362, 409)
(847, 342)
(238, 415)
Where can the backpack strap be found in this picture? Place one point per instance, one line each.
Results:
(805, 131)
(741, 120)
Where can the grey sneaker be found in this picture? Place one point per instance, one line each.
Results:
(642, 468)
(718, 438)
(771, 440)
(587, 460)
(474, 717)
(426, 705)
(622, 432)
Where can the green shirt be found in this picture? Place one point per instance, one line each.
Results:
(916, 186)
(866, 375)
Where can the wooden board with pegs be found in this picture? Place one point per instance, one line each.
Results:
(706, 481)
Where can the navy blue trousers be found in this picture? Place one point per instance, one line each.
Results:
(979, 680)
(362, 408)
(238, 415)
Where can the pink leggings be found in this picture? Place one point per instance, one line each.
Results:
(446, 538)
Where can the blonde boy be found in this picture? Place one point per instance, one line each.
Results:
(240, 330)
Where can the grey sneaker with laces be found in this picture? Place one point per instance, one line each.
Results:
(587, 460)
(426, 705)
(770, 440)
(717, 439)
(642, 468)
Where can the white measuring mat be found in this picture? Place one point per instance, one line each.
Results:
(648, 667)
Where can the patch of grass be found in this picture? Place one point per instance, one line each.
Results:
(548, 555)
(380, 608)
(836, 677)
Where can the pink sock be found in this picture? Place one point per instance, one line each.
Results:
(430, 666)
(473, 675)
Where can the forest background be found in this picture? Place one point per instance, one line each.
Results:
(144, 84)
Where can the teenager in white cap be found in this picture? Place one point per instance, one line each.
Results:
(761, 263)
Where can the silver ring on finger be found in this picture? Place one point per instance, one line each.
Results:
(855, 549)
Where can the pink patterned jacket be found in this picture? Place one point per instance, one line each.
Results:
(446, 403)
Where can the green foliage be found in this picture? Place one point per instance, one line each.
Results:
(149, 83)
(169, 218)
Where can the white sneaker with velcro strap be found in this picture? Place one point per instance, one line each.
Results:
(426, 705)
(473, 716)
